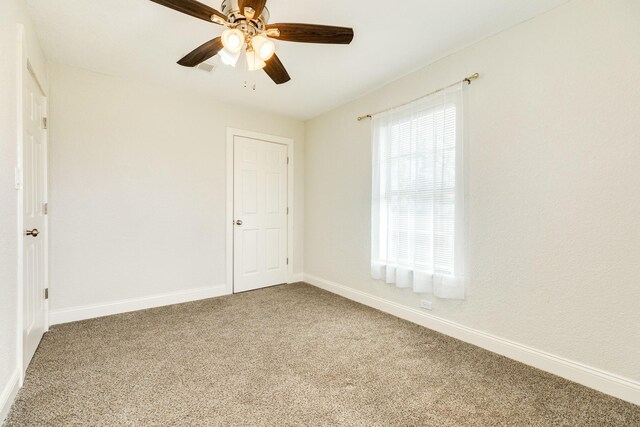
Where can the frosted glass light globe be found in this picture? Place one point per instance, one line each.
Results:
(254, 62)
(233, 40)
(264, 47)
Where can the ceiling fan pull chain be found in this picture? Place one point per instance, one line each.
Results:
(245, 69)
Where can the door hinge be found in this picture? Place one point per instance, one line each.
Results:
(44, 123)
(287, 210)
(287, 160)
(46, 293)
(287, 261)
(45, 208)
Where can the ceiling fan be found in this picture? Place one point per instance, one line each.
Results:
(248, 29)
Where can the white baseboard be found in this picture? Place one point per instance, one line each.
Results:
(8, 395)
(74, 314)
(295, 278)
(597, 379)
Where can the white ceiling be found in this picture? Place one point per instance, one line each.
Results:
(141, 40)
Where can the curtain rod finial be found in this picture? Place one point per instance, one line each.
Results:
(361, 118)
(472, 77)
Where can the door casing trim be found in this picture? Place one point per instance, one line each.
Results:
(231, 134)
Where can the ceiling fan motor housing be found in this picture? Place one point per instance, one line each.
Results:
(231, 9)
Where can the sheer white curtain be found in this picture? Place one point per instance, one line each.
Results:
(418, 226)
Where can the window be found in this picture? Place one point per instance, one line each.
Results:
(417, 197)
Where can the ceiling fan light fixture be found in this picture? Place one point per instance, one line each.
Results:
(233, 40)
(264, 47)
(248, 32)
(229, 58)
(254, 63)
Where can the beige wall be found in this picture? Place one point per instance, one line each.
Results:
(554, 206)
(12, 14)
(138, 188)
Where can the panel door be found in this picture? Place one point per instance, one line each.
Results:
(260, 214)
(34, 199)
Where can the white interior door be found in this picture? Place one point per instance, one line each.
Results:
(260, 214)
(34, 173)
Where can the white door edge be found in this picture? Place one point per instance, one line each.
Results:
(231, 134)
(24, 70)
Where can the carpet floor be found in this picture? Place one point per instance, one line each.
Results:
(288, 355)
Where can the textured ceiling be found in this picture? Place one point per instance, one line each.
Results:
(141, 41)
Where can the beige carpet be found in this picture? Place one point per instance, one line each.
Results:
(288, 355)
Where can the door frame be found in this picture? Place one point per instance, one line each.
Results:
(24, 70)
(231, 134)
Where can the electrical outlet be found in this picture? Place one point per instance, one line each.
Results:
(426, 304)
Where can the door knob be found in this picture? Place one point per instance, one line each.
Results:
(33, 232)
(239, 222)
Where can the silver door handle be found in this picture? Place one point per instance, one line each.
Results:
(33, 232)
(239, 222)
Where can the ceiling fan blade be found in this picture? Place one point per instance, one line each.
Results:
(256, 5)
(310, 33)
(202, 53)
(193, 8)
(276, 70)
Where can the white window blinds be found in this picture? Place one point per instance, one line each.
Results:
(418, 195)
